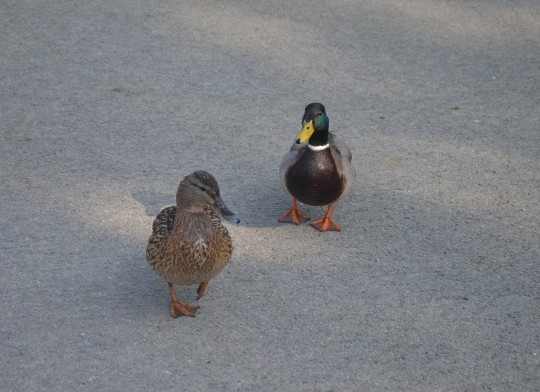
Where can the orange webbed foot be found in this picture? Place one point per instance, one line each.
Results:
(297, 216)
(326, 222)
(179, 308)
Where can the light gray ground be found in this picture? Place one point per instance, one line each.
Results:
(433, 284)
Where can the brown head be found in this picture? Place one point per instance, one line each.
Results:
(200, 189)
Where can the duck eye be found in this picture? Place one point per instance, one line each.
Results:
(203, 188)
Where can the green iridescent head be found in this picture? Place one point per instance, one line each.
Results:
(321, 122)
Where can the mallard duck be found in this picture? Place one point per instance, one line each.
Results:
(317, 170)
(189, 245)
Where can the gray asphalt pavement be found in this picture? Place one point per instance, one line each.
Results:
(433, 284)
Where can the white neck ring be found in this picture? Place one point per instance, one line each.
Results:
(318, 148)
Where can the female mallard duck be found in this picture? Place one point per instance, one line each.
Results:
(189, 244)
(317, 170)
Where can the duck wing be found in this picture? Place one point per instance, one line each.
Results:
(161, 228)
(289, 159)
(340, 144)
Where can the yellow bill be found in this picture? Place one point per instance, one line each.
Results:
(305, 132)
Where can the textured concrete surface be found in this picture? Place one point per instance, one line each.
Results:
(433, 285)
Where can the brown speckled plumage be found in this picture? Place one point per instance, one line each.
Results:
(189, 244)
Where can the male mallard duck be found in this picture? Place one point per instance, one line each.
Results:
(189, 244)
(317, 170)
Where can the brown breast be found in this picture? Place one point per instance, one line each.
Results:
(314, 179)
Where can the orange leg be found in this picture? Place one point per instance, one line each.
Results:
(297, 217)
(201, 290)
(182, 308)
(326, 222)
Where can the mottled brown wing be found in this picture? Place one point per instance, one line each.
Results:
(160, 229)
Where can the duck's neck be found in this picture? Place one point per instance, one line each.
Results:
(318, 148)
(184, 214)
(319, 140)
